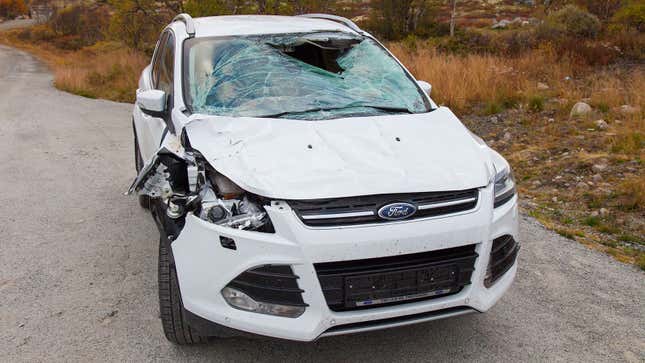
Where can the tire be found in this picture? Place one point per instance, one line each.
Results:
(170, 305)
(144, 200)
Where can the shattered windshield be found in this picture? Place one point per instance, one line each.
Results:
(312, 76)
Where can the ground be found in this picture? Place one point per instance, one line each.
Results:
(78, 262)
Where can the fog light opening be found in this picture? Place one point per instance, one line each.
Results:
(239, 300)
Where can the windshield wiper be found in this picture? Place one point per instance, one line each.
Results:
(391, 109)
(323, 109)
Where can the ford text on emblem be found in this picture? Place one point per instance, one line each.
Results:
(397, 211)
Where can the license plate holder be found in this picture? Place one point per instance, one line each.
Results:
(400, 285)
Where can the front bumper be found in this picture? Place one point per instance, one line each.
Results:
(204, 267)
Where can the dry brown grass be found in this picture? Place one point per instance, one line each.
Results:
(462, 81)
(105, 70)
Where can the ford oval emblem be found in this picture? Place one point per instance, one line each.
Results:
(396, 211)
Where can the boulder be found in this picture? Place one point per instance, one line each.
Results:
(601, 124)
(580, 109)
(629, 110)
(597, 168)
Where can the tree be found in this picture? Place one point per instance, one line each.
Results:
(394, 19)
(137, 22)
(453, 15)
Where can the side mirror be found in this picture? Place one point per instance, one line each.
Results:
(152, 102)
(425, 86)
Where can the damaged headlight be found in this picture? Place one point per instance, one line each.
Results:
(504, 186)
(225, 204)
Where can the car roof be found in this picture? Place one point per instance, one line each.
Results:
(228, 25)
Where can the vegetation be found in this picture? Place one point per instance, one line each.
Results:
(12, 8)
(514, 86)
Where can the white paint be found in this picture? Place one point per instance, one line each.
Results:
(218, 26)
(294, 159)
(151, 100)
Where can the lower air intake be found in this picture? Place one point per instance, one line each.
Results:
(502, 257)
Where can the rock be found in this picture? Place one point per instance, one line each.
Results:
(580, 109)
(582, 185)
(595, 213)
(597, 178)
(542, 86)
(536, 183)
(597, 168)
(601, 124)
(494, 119)
(554, 199)
(501, 24)
(507, 136)
(604, 212)
(629, 110)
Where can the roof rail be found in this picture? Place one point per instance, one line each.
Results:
(339, 19)
(188, 21)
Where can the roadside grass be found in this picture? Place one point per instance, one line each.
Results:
(105, 70)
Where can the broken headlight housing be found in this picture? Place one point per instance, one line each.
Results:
(226, 204)
(504, 186)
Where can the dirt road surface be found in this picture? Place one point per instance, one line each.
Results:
(78, 262)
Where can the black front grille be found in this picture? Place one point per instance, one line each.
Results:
(359, 284)
(275, 284)
(339, 211)
(502, 256)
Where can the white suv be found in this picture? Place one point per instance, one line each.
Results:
(305, 185)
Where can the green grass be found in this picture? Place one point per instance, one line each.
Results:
(591, 221)
(536, 104)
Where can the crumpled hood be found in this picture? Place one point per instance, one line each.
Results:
(294, 159)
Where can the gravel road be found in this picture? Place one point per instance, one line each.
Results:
(78, 262)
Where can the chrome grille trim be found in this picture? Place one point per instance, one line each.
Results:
(339, 215)
(362, 210)
(446, 204)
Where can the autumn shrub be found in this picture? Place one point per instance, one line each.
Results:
(603, 9)
(631, 16)
(78, 26)
(12, 8)
(575, 22)
(567, 23)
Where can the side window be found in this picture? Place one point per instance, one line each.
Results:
(156, 62)
(167, 66)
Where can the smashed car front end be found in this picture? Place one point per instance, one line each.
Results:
(303, 274)
(304, 269)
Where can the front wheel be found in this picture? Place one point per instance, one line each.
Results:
(170, 305)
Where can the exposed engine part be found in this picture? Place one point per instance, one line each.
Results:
(185, 183)
(226, 188)
(234, 213)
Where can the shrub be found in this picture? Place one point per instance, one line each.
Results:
(603, 9)
(137, 23)
(631, 16)
(79, 26)
(631, 194)
(575, 22)
(631, 43)
(516, 42)
(12, 8)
